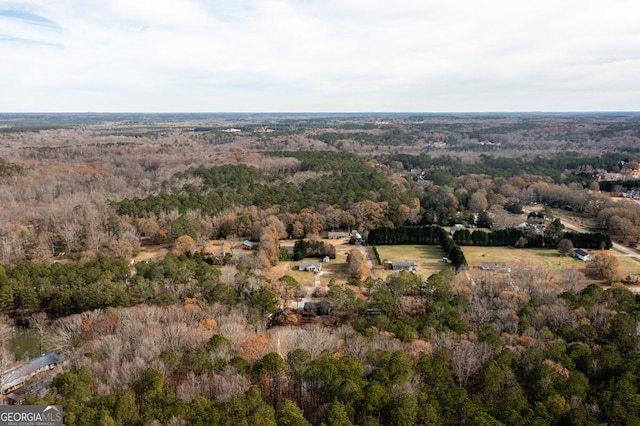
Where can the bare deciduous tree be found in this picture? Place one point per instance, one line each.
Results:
(357, 264)
(40, 322)
(468, 358)
(6, 332)
(603, 266)
(565, 247)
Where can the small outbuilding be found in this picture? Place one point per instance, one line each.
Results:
(400, 266)
(336, 235)
(495, 267)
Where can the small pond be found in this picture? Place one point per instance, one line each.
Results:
(24, 343)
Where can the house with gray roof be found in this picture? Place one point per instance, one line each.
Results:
(310, 266)
(16, 377)
(581, 254)
(400, 266)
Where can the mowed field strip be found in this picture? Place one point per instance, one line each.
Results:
(513, 257)
(428, 259)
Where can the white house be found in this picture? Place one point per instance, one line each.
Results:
(581, 254)
(456, 227)
(309, 266)
(401, 266)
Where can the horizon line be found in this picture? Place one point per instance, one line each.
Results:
(331, 112)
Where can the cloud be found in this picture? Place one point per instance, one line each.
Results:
(22, 27)
(29, 18)
(312, 55)
(26, 42)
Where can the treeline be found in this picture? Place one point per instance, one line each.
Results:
(610, 185)
(591, 240)
(62, 289)
(313, 248)
(520, 238)
(432, 235)
(509, 167)
(497, 238)
(429, 235)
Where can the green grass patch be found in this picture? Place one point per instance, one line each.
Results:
(515, 256)
(336, 268)
(305, 278)
(428, 259)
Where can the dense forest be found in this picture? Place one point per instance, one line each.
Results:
(158, 254)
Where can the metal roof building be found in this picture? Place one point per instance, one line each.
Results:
(14, 378)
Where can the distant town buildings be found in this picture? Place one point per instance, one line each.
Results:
(603, 175)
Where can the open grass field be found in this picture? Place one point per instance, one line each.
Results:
(337, 269)
(428, 259)
(305, 278)
(551, 258)
(513, 257)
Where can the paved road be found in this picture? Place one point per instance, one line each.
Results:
(573, 226)
(627, 251)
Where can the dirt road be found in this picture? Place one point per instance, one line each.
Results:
(365, 252)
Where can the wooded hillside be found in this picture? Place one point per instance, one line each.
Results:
(218, 331)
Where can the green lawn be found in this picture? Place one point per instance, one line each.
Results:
(428, 259)
(305, 278)
(336, 268)
(513, 256)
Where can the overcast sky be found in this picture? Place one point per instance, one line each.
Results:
(319, 55)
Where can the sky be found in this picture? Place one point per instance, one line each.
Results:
(319, 55)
